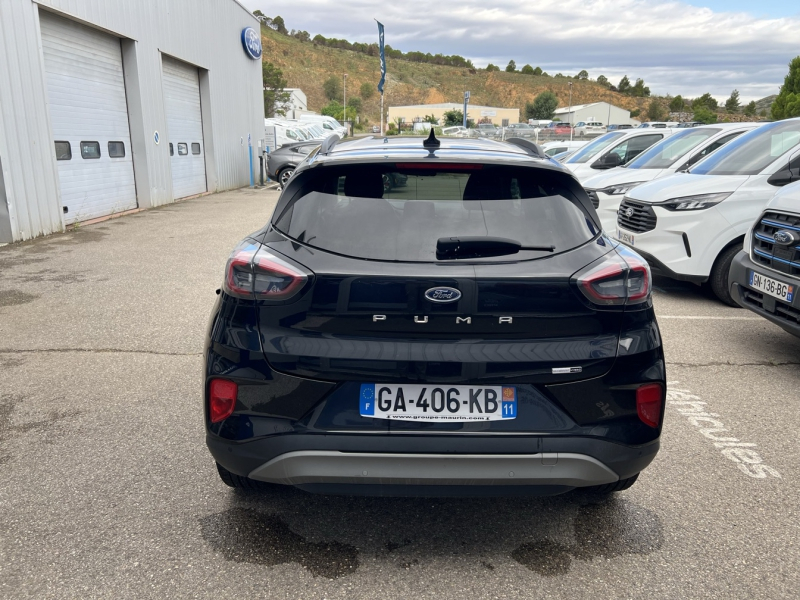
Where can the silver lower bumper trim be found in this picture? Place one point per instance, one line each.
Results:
(323, 466)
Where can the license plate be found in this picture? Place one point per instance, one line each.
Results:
(625, 237)
(773, 287)
(441, 403)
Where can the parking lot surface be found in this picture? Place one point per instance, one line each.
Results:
(108, 490)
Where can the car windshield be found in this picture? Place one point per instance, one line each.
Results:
(752, 152)
(589, 151)
(398, 212)
(667, 152)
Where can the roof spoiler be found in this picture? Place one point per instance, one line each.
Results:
(528, 146)
(328, 143)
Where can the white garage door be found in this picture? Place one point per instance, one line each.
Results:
(184, 128)
(89, 116)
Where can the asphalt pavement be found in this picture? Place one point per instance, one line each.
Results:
(107, 489)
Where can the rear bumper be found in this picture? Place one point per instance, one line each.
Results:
(433, 460)
(738, 281)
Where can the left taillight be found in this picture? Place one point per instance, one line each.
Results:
(222, 395)
(619, 278)
(255, 273)
(649, 401)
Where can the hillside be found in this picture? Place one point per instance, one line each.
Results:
(307, 66)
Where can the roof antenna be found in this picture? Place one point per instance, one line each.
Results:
(431, 143)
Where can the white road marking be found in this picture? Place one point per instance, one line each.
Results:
(708, 318)
(741, 453)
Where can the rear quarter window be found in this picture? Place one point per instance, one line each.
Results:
(397, 213)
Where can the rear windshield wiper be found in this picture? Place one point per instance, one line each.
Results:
(451, 248)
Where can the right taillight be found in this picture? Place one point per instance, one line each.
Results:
(255, 273)
(648, 403)
(619, 278)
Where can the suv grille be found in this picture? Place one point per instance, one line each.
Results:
(636, 217)
(783, 259)
(594, 198)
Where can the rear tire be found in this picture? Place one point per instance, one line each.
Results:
(284, 175)
(610, 488)
(237, 481)
(719, 275)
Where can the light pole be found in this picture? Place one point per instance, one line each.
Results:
(344, 97)
(570, 111)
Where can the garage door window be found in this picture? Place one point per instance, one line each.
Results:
(90, 149)
(63, 151)
(116, 149)
(195, 148)
(183, 149)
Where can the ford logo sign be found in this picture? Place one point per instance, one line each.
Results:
(628, 212)
(784, 237)
(442, 294)
(251, 42)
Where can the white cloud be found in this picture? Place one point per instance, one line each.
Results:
(674, 47)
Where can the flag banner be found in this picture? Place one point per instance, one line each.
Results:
(383, 57)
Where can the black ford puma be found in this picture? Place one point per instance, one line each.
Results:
(473, 331)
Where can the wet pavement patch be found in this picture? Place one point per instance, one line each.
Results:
(9, 403)
(247, 536)
(609, 529)
(15, 297)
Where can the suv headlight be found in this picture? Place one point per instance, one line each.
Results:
(622, 188)
(699, 202)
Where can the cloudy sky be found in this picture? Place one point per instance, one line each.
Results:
(677, 47)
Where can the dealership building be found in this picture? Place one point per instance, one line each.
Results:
(108, 106)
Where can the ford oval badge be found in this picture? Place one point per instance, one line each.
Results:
(784, 237)
(251, 42)
(442, 295)
(628, 212)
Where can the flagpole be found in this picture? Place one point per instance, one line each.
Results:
(382, 83)
(382, 130)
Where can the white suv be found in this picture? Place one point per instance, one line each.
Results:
(690, 226)
(584, 129)
(675, 153)
(765, 276)
(612, 150)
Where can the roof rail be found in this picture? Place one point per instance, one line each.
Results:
(529, 146)
(328, 143)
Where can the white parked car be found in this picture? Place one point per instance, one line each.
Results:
(653, 125)
(675, 153)
(689, 226)
(456, 131)
(588, 128)
(326, 122)
(765, 275)
(553, 148)
(612, 150)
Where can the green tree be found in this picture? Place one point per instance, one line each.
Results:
(527, 70)
(511, 67)
(354, 103)
(706, 100)
(635, 113)
(583, 74)
(274, 85)
(656, 112)
(732, 104)
(705, 115)
(490, 67)
(603, 80)
(333, 88)
(538, 71)
(639, 89)
(750, 109)
(542, 107)
(279, 26)
(259, 15)
(368, 90)
(624, 85)
(431, 119)
(336, 110)
(677, 104)
(453, 117)
(787, 104)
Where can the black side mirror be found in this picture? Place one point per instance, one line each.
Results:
(781, 178)
(608, 161)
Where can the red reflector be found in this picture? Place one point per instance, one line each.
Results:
(221, 399)
(648, 403)
(437, 166)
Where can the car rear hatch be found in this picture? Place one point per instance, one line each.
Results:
(379, 307)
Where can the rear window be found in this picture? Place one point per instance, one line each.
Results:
(397, 213)
(589, 151)
(667, 152)
(752, 152)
